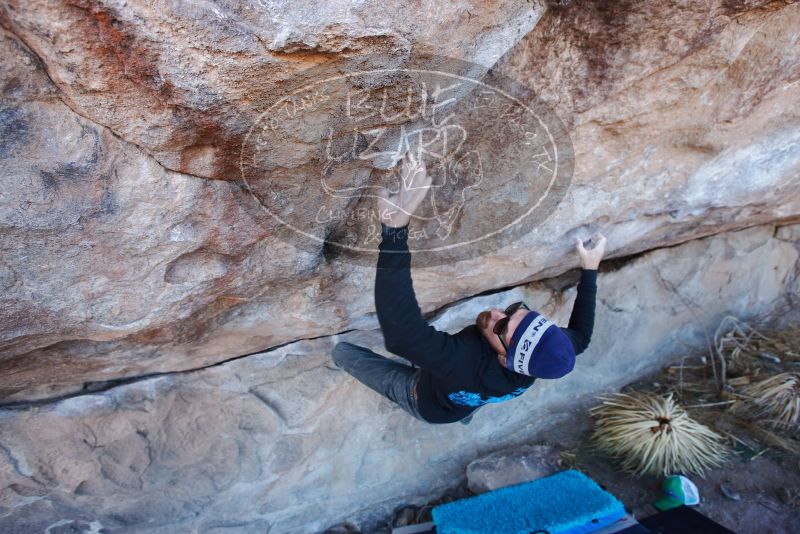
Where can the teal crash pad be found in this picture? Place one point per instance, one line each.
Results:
(567, 502)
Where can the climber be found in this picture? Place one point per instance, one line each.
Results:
(495, 359)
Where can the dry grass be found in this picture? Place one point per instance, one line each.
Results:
(751, 403)
(766, 386)
(743, 394)
(652, 435)
(774, 402)
(745, 350)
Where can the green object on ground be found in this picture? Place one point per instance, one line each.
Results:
(677, 490)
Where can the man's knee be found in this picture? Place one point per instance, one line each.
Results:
(340, 352)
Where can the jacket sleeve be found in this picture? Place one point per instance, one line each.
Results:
(405, 331)
(581, 321)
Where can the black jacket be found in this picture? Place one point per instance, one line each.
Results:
(460, 372)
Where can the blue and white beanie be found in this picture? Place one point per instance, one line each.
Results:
(539, 348)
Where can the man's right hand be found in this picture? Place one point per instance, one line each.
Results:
(590, 259)
(396, 210)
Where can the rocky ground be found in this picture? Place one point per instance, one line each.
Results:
(767, 486)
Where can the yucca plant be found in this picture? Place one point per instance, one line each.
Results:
(652, 435)
(775, 402)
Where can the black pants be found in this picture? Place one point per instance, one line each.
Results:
(393, 380)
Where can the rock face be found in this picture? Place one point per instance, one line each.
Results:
(180, 79)
(119, 260)
(139, 269)
(284, 441)
(132, 249)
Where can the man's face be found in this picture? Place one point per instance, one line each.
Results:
(485, 323)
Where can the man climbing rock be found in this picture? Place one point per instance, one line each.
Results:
(496, 359)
